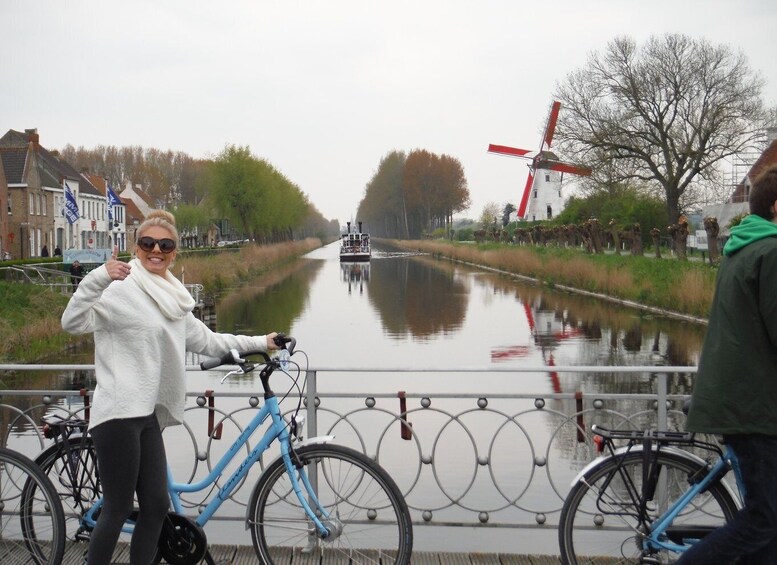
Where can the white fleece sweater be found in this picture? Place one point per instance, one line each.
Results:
(139, 354)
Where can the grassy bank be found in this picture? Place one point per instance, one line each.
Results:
(30, 315)
(680, 286)
(217, 271)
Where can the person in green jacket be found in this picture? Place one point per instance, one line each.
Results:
(735, 390)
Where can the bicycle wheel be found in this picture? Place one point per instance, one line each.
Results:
(71, 465)
(599, 524)
(32, 525)
(367, 514)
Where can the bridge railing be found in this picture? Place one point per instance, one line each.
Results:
(466, 450)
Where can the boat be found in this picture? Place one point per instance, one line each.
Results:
(355, 245)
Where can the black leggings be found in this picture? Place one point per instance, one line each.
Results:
(131, 459)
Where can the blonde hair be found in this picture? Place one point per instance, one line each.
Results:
(161, 218)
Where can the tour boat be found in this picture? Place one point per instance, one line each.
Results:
(355, 245)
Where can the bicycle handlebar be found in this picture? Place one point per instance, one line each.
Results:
(234, 356)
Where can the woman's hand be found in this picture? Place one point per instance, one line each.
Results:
(271, 343)
(117, 270)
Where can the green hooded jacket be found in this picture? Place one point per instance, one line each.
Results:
(735, 390)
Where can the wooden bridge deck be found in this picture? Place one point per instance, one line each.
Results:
(244, 555)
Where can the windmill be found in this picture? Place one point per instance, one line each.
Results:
(541, 197)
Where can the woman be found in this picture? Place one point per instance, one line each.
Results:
(142, 321)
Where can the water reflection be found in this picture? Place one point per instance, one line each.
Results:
(269, 303)
(21, 416)
(414, 296)
(581, 330)
(356, 276)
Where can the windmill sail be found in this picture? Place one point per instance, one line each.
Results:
(542, 160)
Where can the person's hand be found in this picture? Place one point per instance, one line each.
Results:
(117, 270)
(271, 343)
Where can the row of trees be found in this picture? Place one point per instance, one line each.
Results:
(170, 177)
(256, 198)
(414, 194)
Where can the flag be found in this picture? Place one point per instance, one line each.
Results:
(112, 199)
(71, 207)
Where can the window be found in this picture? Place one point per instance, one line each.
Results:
(32, 204)
(535, 193)
(43, 205)
(547, 178)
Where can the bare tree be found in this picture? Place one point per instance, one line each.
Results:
(666, 113)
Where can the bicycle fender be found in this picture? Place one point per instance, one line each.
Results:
(315, 440)
(635, 449)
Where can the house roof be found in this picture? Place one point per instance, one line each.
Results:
(15, 147)
(85, 186)
(766, 160)
(14, 138)
(13, 159)
(98, 182)
(132, 211)
(144, 196)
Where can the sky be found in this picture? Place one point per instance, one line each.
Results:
(324, 89)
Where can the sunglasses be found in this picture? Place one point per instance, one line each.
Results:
(147, 244)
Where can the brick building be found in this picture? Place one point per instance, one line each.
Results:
(32, 190)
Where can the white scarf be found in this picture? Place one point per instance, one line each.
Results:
(168, 292)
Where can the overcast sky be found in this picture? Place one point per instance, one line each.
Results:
(324, 89)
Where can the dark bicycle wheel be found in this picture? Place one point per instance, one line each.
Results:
(599, 524)
(71, 465)
(32, 525)
(367, 514)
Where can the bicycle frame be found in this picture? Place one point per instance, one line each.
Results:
(658, 538)
(278, 430)
(659, 527)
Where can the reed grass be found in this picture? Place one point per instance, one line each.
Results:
(685, 287)
(215, 272)
(29, 321)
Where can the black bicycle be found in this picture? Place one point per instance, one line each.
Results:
(647, 501)
(32, 524)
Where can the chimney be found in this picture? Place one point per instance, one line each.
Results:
(349, 226)
(360, 227)
(32, 135)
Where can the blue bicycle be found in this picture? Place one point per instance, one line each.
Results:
(648, 500)
(316, 498)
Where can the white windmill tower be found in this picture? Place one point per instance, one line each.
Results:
(542, 198)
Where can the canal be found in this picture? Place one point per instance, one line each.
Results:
(415, 311)
(411, 310)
